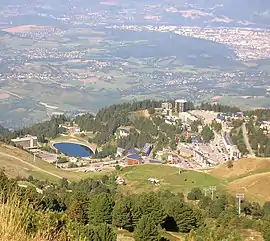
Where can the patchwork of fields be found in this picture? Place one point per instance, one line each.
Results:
(84, 69)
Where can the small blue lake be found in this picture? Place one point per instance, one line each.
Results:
(74, 150)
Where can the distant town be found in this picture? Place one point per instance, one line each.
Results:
(248, 43)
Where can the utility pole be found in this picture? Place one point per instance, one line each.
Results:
(212, 189)
(240, 197)
(205, 189)
(56, 162)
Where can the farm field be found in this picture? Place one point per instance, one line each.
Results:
(246, 103)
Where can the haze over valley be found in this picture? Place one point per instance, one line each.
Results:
(74, 57)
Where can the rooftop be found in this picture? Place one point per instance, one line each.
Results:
(26, 138)
(181, 101)
(134, 157)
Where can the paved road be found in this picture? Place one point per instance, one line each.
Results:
(30, 165)
(246, 140)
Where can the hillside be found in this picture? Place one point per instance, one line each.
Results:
(169, 177)
(255, 187)
(249, 176)
(241, 168)
(17, 162)
(251, 180)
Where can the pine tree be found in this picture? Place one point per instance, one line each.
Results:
(148, 204)
(266, 209)
(105, 233)
(77, 211)
(195, 194)
(122, 215)
(100, 209)
(146, 229)
(183, 215)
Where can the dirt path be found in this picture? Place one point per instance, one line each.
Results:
(176, 236)
(31, 165)
(246, 140)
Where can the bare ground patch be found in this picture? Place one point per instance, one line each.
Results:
(25, 28)
(4, 96)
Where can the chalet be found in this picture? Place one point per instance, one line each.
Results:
(77, 129)
(170, 121)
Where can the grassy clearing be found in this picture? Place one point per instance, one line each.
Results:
(250, 176)
(123, 235)
(243, 103)
(255, 187)
(137, 176)
(40, 169)
(242, 168)
(173, 236)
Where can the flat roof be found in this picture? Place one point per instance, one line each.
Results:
(181, 101)
(27, 138)
(134, 157)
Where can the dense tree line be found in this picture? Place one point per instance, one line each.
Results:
(262, 114)
(92, 210)
(43, 130)
(108, 119)
(259, 141)
(238, 140)
(218, 108)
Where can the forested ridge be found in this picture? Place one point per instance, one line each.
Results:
(145, 129)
